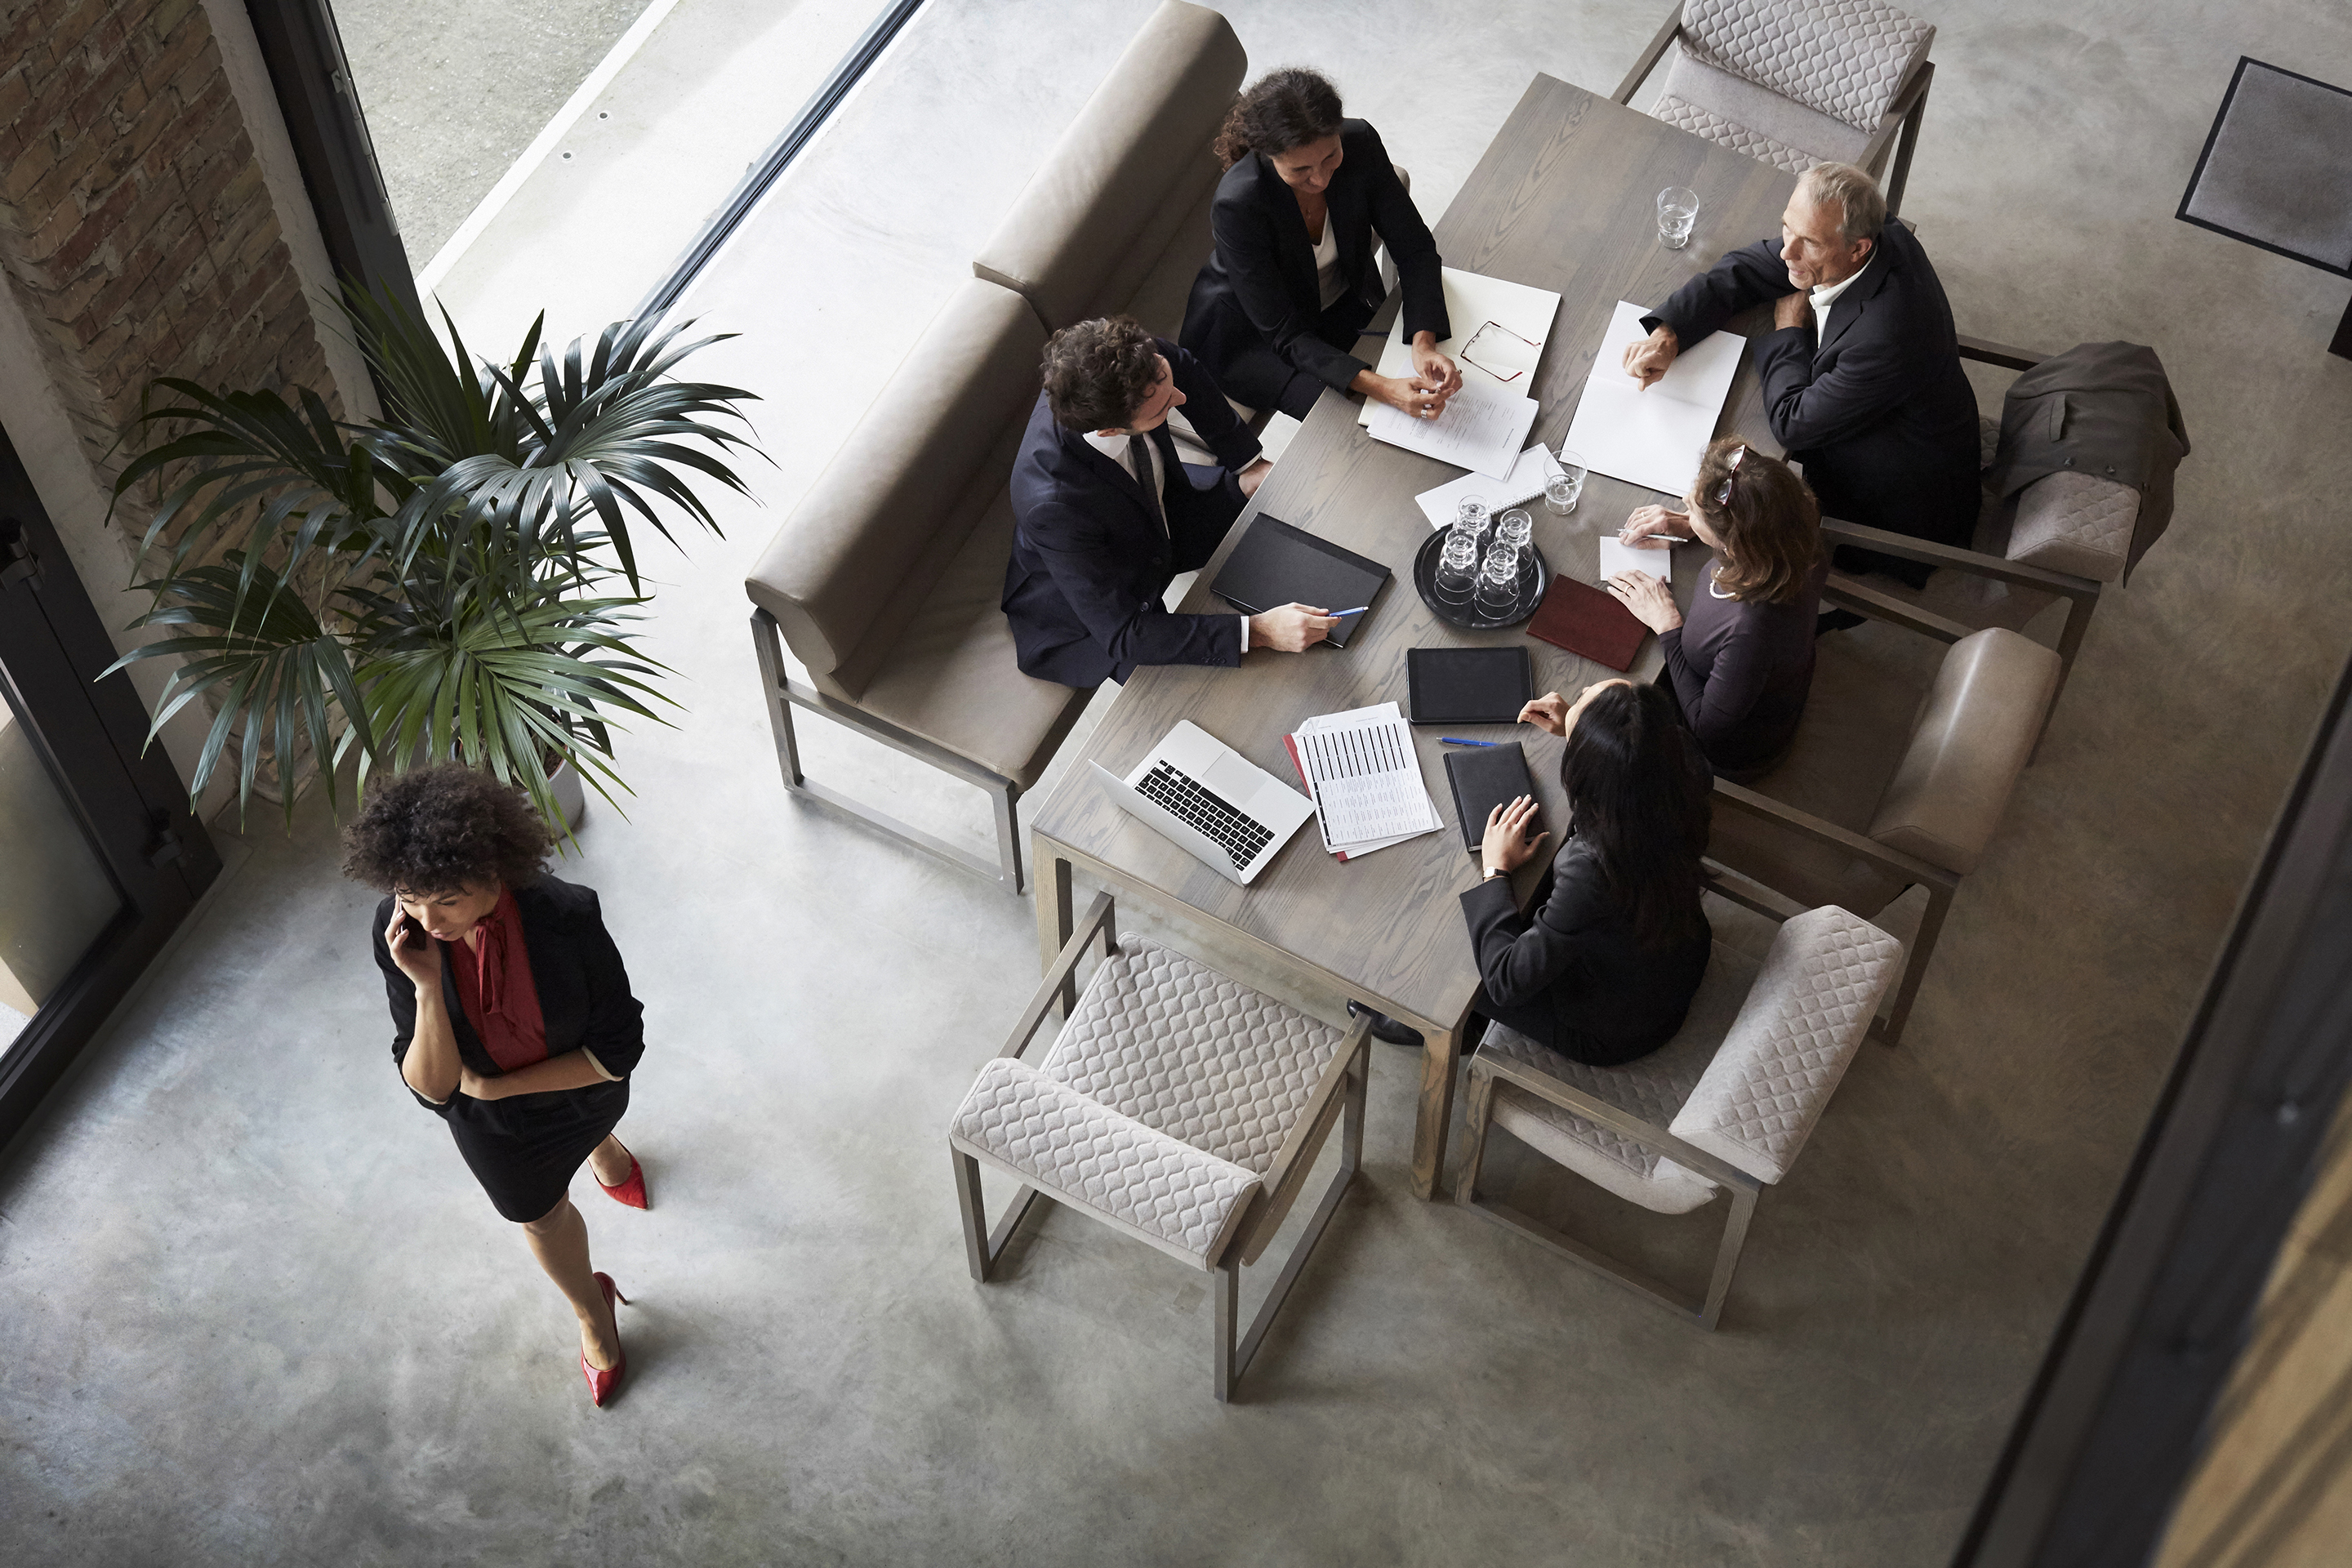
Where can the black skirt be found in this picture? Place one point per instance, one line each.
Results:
(525, 1150)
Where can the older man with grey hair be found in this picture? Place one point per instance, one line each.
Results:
(1861, 371)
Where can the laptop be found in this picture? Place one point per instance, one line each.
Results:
(1201, 793)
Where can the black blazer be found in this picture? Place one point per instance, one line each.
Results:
(1089, 561)
(1260, 280)
(1879, 411)
(583, 990)
(1572, 958)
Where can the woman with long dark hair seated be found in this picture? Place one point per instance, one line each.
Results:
(1604, 964)
(1741, 665)
(1276, 313)
(511, 1015)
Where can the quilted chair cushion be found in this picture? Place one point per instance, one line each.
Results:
(1734, 112)
(2075, 522)
(1653, 1089)
(1068, 1146)
(1844, 59)
(1189, 1052)
(1807, 1011)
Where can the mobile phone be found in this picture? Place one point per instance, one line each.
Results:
(406, 933)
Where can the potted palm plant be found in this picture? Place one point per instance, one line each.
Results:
(435, 584)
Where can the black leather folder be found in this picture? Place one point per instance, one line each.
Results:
(1275, 564)
(1482, 778)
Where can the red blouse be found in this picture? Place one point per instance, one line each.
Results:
(495, 988)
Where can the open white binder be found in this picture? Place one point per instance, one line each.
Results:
(1654, 436)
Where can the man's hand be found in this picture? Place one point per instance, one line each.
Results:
(1547, 713)
(1651, 601)
(1249, 479)
(1506, 846)
(1649, 522)
(1649, 359)
(1793, 311)
(1290, 628)
(412, 949)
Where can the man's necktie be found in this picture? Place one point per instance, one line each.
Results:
(1139, 452)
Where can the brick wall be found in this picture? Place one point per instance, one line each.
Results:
(135, 229)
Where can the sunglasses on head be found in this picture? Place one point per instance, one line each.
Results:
(1723, 495)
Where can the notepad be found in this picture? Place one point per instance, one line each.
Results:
(1482, 780)
(1652, 437)
(1616, 557)
(1527, 481)
(1483, 428)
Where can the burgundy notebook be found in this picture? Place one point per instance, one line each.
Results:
(1589, 621)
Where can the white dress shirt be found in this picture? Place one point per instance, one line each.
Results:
(1327, 265)
(1826, 296)
(1113, 444)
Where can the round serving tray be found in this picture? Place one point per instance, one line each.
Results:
(1466, 614)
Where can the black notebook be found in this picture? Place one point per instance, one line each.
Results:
(1275, 564)
(1468, 685)
(1484, 777)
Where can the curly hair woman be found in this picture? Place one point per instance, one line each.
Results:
(511, 1015)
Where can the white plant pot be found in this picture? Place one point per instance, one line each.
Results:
(570, 794)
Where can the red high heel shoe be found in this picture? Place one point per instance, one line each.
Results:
(632, 1190)
(601, 1381)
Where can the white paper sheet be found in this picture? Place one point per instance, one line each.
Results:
(1365, 779)
(1615, 558)
(1483, 428)
(1526, 482)
(1652, 437)
(1472, 299)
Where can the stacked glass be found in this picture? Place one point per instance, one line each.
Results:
(1458, 568)
(1498, 581)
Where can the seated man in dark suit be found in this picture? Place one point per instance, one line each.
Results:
(1862, 373)
(1107, 514)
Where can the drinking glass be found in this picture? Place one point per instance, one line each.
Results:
(1516, 529)
(1677, 210)
(1471, 514)
(1457, 569)
(1498, 581)
(1561, 489)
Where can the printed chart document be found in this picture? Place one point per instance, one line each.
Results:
(1652, 437)
(1526, 482)
(1616, 558)
(1365, 780)
(1499, 330)
(1483, 428)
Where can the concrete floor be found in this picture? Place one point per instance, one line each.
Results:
(259, 1313)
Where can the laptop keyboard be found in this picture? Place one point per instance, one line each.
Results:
(1239, 836)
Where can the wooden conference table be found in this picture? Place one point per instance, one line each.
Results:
(1563, 199)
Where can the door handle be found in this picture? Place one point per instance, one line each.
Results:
(165, 847)
(17, 562)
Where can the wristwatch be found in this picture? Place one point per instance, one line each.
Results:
(1493, 873)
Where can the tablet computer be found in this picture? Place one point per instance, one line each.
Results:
(1468, 685)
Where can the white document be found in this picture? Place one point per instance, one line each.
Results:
(1652, 437)
(1526, 482)
(1365, 779)
(1483, 428)
(1521, 318)
(1614, 558)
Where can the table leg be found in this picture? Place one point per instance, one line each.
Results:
(2342, 346)
(1440, 1049)
(1054, 917)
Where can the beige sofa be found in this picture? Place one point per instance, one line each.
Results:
(883, 583)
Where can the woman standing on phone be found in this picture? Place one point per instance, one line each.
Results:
(511, 1015)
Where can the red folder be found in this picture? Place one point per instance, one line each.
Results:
(1589, 621)
(1292, 747)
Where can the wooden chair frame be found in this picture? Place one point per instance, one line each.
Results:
(783, 694)
(1706, 1309)
(1339, 1096)
(1902, 115)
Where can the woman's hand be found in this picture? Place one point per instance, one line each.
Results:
(412, 949)
(1506, 846)
(1651, 601)
(1412, 394)
(1650, 520)
(1547, 713)
(475, 1086)
(1441, 375)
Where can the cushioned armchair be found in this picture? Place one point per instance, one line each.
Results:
(1725, 1106)
(1795, 82)
(1178, 1107)
(1873, 798)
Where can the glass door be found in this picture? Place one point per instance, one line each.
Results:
(57, 899)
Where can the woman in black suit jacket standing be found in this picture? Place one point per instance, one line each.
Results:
(1603, 966)
(1276, 313)
(511, 1015)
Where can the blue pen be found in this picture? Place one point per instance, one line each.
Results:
(1459, 741)
(1342, 614)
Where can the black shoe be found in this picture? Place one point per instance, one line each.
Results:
(1385, 1028)
(1830, 621)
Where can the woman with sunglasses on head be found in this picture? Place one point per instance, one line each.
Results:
(511, 1015)
(1276, 313)
(1602, 967)
(1740, 664)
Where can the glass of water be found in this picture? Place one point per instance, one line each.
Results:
(1498, 581)
(1677, 210)
(1561, 490)
(1471, 515)
(1458, 568)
